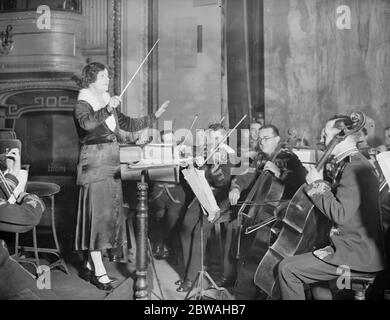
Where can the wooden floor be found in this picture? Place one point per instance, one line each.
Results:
(72, 287)
(161, 284)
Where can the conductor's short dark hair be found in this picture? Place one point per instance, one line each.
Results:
(90, 72)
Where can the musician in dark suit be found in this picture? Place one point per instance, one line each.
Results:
(288, 169)
(351, 202)
(218, 176)
(101, 128)
(15, 282)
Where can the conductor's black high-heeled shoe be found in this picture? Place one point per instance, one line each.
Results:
(100, 285)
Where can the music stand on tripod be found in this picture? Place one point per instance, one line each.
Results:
(201, 293)
(155, 272)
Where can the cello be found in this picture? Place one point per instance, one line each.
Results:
(304, 227)
(266, 191)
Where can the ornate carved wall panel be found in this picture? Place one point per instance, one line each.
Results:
(37, 49)
(43, 121)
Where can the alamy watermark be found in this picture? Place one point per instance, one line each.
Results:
(44, 20)
(343, 21)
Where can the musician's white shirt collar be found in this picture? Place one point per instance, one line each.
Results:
(341, 156)
(88, 96)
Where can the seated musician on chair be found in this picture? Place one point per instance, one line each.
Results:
(288, 169)
(351, 203)
(218, 177)
(15, 282)
(167, 202)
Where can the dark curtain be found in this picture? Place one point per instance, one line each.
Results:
(245, 58)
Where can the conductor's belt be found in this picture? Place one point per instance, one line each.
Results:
(103, 140)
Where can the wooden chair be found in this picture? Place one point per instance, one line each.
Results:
(360, 282)
(42, 190)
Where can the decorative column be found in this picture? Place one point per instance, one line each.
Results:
(152, 23)
(117, 54)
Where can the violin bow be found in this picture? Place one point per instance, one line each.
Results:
(191, 127)
(224, 117)
(139, 68)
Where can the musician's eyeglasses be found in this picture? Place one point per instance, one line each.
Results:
(265, 138)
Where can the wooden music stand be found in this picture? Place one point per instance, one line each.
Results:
(150, 163)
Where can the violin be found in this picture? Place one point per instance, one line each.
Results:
(304, 227)
(214, 150)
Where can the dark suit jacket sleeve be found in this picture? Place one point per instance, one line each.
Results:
(87, 118)
(342, 206)
(220, 177)
(135, 124)
(243, 181)
(293, 176)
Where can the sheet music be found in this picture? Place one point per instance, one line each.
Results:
(202, 190)
(21, 187)
(384, 163)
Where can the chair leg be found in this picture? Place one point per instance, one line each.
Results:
(35, 244)
(228, 267)
(53, 224)
(131, 234)
(54, 230)
(16, 244)
(218, 235)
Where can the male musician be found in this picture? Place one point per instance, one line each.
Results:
(217, 175)
(351, 203)
(254, 129)
(386, 146)
(362, 143)
(288, 169)
(167, 203)
(15, 282)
